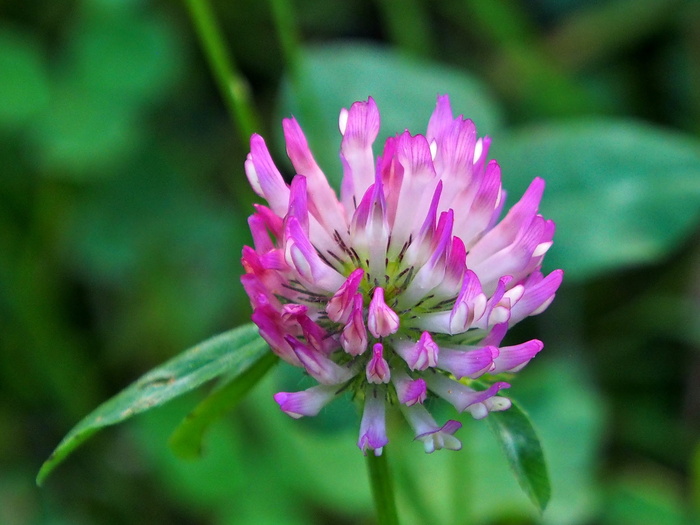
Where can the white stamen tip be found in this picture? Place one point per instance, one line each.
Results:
(343, 121)
(478, 149)
(433, 149)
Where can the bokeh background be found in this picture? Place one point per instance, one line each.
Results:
(122, 216)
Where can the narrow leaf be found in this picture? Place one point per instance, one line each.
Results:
(227, 353)
(186, 440)
(522, 448)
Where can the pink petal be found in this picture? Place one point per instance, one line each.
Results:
(459, 395)
(377, 368)
(417, 187)
(307, 402)
(409, 391)
(420, 355)
(340, 306)
(373, 425)
(441, 118)
(427, 430)
(538, 295)
(505, 232)
(302, 256)
(469, 363)
(359, 127)
(354, 336)
(323, 203)
(514, 358)
(318, 365)
(265, 178)
(381, 320)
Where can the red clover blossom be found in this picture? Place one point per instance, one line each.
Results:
(405, 287)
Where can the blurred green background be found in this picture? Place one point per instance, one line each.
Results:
(122, 216)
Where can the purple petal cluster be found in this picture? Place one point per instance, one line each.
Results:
(404, 287)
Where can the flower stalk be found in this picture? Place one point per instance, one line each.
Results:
(382, 489)
(232, 85)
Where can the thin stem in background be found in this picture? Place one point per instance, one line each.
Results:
(233, 86)
(288, 35)
(290, 42)
(382, 489)
(408, 26)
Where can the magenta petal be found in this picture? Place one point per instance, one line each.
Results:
(320, 367)
(264, 176)
(420, 355)
(301, 255)
(373, 425)
(377, 368)
(409, 391)
(506, 232)
(470, 363)
(459, 395)
(359, 126)
(539, 293)
(427, 430)
(354, 336)
(273, 332)
(298, 206)
(381, 320)
(469, 306)
(340, 307)
(307, 402)
(496, 335)
(514, 358)
(441, 119)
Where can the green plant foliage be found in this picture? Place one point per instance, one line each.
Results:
(404, 88)
(229, 353)
(623, 193)
(523, 450)
(186, 440)
(24, 88)
(115, 62)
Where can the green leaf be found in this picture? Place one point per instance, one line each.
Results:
(186, 440)
(524, 452)
(229, 353)
(621, 193)
(24, 89)
(405, 89)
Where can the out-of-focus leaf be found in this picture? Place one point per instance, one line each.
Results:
(82, 132)
(570, 418)
(695, 481)
(125, 52)
(228, 353)
(114, 65)
(524, 452)
(645, 497)
(405, 89)
(186, 440)
(326, 468)
(24, 86)
(621, 193)
(205, 488)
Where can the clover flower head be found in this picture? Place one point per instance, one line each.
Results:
(404, 287)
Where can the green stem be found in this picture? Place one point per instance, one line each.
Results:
(290, 42)
(408, 26)
(288, 34)
(232, 85)
(382, 489)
